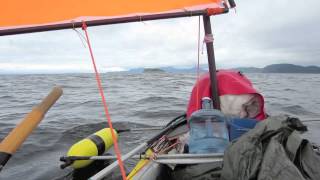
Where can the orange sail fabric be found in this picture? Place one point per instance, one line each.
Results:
(28, 13)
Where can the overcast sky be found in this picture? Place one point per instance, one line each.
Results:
(259, 33)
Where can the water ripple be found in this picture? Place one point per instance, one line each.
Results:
(134, 100)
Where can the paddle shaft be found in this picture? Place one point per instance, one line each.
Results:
(17, 136)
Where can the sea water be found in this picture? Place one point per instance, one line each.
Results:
(134, 100)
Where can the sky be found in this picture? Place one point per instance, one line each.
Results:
(256, 34)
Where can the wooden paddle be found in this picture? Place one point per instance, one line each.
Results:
(17, 136)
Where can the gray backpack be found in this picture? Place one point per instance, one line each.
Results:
(273, 150)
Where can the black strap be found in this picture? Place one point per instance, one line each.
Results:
(4, 158)
(296, 124)
(98, 141)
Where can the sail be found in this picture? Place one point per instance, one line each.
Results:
(22, 16)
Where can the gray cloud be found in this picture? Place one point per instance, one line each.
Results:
(265, 32)
(259, 33)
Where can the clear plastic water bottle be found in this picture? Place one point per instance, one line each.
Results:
(208, 130)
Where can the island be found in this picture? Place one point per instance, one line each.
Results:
(273, 68)
(281, 68)
(153, 70)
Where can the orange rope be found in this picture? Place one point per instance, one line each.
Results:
(198, 74)
(116, 147)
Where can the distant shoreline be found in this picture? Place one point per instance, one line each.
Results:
(129, 73)
(273, 68)
(282, 68)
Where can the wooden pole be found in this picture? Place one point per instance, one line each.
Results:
(212, 63)
(17, 136)
(71, 25)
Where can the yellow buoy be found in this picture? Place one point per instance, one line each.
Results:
(94, 145)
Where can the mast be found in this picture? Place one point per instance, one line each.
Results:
(211, 62)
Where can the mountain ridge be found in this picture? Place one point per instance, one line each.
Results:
(272, 68)
(281, 68)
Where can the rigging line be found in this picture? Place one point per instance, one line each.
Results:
(116, 147)
(140, 17)
(81, 37)
(169, 147)
(198, 74)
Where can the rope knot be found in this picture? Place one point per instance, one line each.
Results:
(208, 38)
(84, 26)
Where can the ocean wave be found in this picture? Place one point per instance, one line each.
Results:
(138, 100)
(297, 110)
(164, 114)
(157, 99)
(6, 96)
(290, 90)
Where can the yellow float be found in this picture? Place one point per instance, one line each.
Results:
(94, 145)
